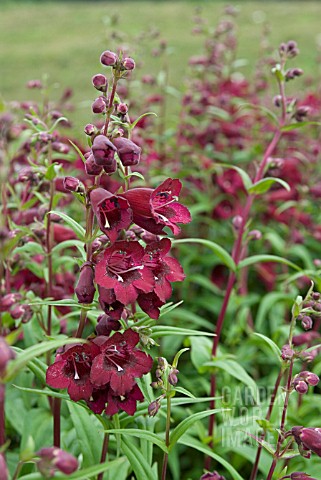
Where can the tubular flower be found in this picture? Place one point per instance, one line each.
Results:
(112, 212)
(155, 209)
(308, 439)
(119, 363)
(71, 370)
(121, 268)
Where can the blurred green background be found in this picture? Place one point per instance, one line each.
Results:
(65, 39)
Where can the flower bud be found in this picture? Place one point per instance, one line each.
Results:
(277, 101)
(300, 386)
(307, 322)
(237, 222)
(122, 108)
(60, 147)
(85, 289)
(108, 58)
(310, 378)
(34, 84)
(301, 113)
(99, 105)
(90, 129)
(128, 151)
(99, 81)
(172, 377)
(72, 184)
(212, 476)
(153, 408)
(17, 312)
(292, 49)
(91, 166)
(52, 459)
(301, 476)
(4, 474)
(128, 63)
(8, 300)
(111, 168)
(6, 354)
(103, 151)
(316, 295)
(255, 234)
(287, 352)
(105, 324)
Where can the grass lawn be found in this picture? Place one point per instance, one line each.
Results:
(65, 39)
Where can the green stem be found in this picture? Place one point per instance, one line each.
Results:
(168, 424)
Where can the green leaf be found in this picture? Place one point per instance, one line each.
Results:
(247, 182)
(89, 433)
(184, 392)
(219, 113)
(135, 174)
(260, 108)
(192, 442)
(265, 184)
(219, 251)
(133, 125)
(177, 401)
(177, 356)
(236, 370)
(78, 151)
(271, 344)
(52, 171)
(49, 393)
(60, 119)
(30, 248)
(294, 126)
(146, 435)
(267, 258)
(76, 228)
(81, 474)
(163, 330)
(185, 424)
(35, 351)
(69, 244)
(137, 461)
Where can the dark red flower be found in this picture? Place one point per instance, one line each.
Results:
(150, 304)
(71, 370)
(121, 268)
(126, 402)
(109, 304)
(119, 363)
(128, 151)
(308, 438)
(85, 289)
(112, 212)
(165, 269)
(155, 209)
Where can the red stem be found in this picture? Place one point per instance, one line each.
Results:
(237, 256)
(268, 416)
(104, 454)
(284, 412)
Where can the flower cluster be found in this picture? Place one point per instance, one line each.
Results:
(102, 372)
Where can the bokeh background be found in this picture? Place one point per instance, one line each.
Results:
(63, 40)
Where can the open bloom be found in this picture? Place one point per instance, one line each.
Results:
(106, 399)
(112, 212)
(119, 363)
(155, 209)
(121, 268)
(71, 370)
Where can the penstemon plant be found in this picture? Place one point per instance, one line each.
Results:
(103, 373)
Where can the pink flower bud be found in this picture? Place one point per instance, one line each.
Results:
(122, 108)
(212, 476)
(99, 81)
(153, 408)
(108, 58)
(172, 377)
(307, 322)
(90, 129)
(301, 476)
(7, 301)
(106, 324)
(85, 289)
(34, 84)
(310, 378)
(300, 386)
(99, 105)
(287, 352)
(128, 151)
(52, 459)
(128, 63)
(4, 474)
(72, 184)
(60, 147)
(237, 222)
(6, 354)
